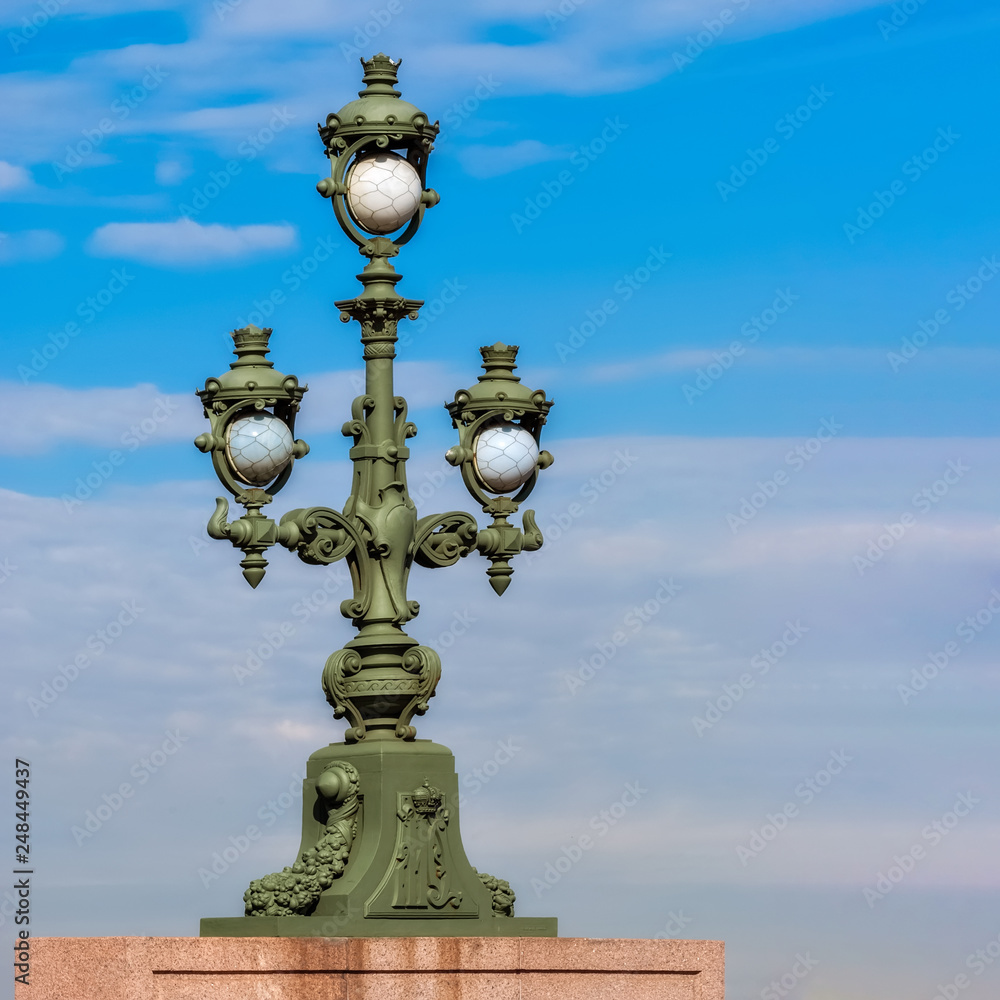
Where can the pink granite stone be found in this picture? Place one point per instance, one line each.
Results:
(606, 986)
(449, 968)
(442, 953)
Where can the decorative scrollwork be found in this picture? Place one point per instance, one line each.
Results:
(426, 664)
(357, 426)
(402, 427)
(339, 667)
(322, 536)
(454, 537)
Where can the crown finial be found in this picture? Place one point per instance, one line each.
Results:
(499, 361)
(250, 346)
(380, 76)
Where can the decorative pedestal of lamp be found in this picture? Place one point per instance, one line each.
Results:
(392, 809)
(374, 969)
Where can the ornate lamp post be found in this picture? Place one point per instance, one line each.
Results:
(381, 852)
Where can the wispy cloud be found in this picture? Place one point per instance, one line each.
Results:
(492, 161)
(38, 417)
(30, 245)
(13, 178)
(186, 243)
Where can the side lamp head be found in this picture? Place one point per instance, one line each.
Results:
(499, 423)
(251, 409)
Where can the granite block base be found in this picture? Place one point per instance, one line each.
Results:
(411, 968)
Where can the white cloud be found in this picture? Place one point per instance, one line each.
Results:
(492, 161)
(13, 178)
(689, 360)
(30, 245)
(171, 172)
(186, 243)
(38, 417)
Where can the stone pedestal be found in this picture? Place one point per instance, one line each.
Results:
(393, 815)
(414, 968)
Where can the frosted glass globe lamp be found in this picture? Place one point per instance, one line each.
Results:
(505, 456)
(499, 421)
(258, 447)
(383, 192)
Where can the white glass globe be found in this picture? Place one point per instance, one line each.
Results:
(383, 192)
(258, 447)
(505, 456)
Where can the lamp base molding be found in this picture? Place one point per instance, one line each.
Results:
(381, 856)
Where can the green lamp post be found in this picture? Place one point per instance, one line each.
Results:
(381, 853)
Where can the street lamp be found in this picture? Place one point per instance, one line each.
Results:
(381, 853)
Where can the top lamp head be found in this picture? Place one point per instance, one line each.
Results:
(378, 147)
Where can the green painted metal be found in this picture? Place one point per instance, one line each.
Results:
(390, 861)
(381, 850)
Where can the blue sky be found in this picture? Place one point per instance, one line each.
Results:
(765, 262)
